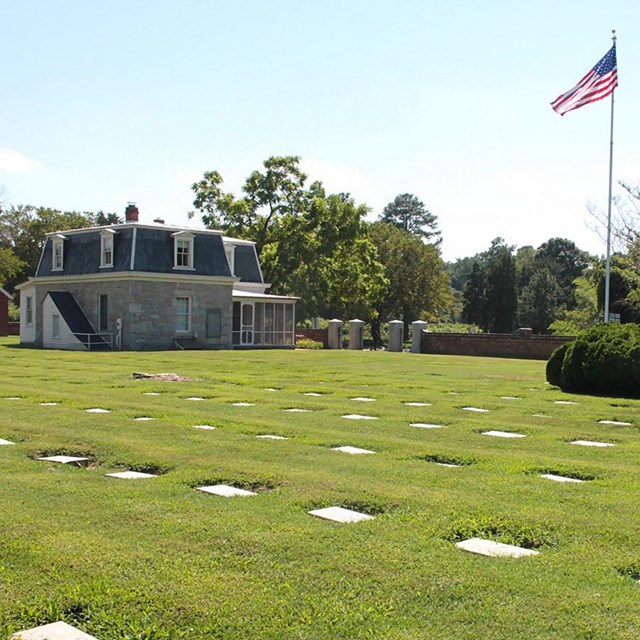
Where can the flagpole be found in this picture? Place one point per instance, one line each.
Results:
(607, 277)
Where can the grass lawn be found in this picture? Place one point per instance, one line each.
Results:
(154, 558)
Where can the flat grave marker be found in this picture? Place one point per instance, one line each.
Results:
(206, 427)
(363, 399)
(48, 404)
(340, 514)
(194, 398)
(493, 549)
(426, 425)
(352, 450)
(616, 423)
(130, 475)
(80, 461)
(313, 394)
(503, 434)
(475, 409)
(417, 404)
(226, 491)
(144, 418)
(357, 416)
(295, 410)
(98, 410)
(150, 393)
(592, 443)
(3, 441)
(243, 404)
(556, 478)
(269, 436)
(53, 631)
(565, 402)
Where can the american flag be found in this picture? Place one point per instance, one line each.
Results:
(597, 84)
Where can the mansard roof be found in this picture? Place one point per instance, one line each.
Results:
(149, 248)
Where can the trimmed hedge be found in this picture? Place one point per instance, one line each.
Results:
(602, 360)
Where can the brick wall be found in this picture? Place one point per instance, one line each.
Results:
(319, 335)
(497, 345)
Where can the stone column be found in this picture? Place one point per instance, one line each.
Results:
(416, 335)
(335, 334)
(396, 335)
(356, 334)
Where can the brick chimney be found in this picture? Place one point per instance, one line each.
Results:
(131, 212)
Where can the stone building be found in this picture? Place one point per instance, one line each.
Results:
(143, 286)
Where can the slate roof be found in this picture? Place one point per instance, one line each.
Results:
(75, 317)
(153, 252)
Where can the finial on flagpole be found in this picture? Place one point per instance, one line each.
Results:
(613, 35)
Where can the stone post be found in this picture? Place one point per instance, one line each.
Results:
(396, 335)
(416, 335)
(335, 334)
(356, 334)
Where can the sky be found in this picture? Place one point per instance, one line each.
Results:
(132, 101)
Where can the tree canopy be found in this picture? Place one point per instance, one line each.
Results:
(311, 244)
(409, 213)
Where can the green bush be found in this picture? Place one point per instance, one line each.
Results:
(306, 343)
(604, 360)
(554, 365)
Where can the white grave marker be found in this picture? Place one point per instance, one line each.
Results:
(225, 491)
(313, 394)
(565, 402)
(340, 514)
(417, 404)
(54, 631)
(269, 436)
(144, 418)
(357, 416)
(65, 459)
(203, 426)
(426, 425)
(494, 549)
(592, 443)
(48, 404)
(194, 398)
(615, 423)
(297, 410)
(130, 475)
(352, 450)
(475, 409)
(243, 404)
(504, 434)
(150, 393)
(555, 478)
(362, 399)
(97, 410)
(3, 441)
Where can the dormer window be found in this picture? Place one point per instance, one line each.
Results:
(58, 253)
(106, 248)
(182, 250)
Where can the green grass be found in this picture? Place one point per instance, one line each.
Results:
(155, 559)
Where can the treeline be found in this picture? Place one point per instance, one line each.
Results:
(319, 246)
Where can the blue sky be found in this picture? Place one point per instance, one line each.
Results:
(105, 103)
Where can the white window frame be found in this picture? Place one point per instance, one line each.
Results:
(178, 313)
(182, 239)
(28, 311)
(230, 252)
(57, 253)
(106, 248)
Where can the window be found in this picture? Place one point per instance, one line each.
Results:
(106, 248)
(55, 326)
(28, 310)
(58, 253)
(183, 250)
(183, 314)
(214, 323)
(103, 312)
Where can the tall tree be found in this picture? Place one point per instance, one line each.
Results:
(418, 285)
(409, 213)
(538, 303)
(502, 301)
(310, 244)
(474, 309)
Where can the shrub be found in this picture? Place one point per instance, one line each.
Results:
(554, 365)
(306, 343)
(604, 359)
